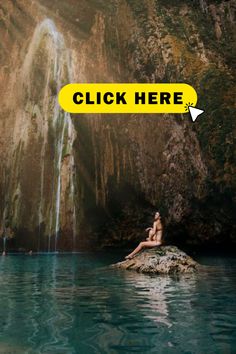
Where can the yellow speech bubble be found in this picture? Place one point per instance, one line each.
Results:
(127, 98)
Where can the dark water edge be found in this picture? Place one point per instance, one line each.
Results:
(193, 250)
(73, 303)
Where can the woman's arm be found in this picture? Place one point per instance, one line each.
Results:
(148, 229)
(154, 227)
(153, 230)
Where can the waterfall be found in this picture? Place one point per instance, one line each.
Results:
(4, 243)
(58, 192)
(4, 239)
(52, 121)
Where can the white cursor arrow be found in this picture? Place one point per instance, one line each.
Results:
(195, 112)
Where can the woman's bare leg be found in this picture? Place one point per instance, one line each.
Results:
(145, 244)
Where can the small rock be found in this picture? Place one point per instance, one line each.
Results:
(157, 260)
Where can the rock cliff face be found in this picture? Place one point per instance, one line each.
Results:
(73, 181)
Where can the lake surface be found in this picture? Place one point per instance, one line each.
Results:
(72, 303)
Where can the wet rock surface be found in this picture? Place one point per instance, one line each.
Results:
(160, 260)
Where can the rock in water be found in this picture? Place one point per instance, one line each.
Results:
(157, 260)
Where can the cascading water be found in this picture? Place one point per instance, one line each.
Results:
(58, 190)
(4, 243)
(54, 123)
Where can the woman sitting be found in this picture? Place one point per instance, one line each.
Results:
(154, 236)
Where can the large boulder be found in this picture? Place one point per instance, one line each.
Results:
(164, 259)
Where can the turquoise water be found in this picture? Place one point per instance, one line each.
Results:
(72, 303)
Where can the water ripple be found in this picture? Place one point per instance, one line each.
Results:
(72, 304)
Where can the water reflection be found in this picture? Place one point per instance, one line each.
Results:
(70, 304)
(153, 294)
